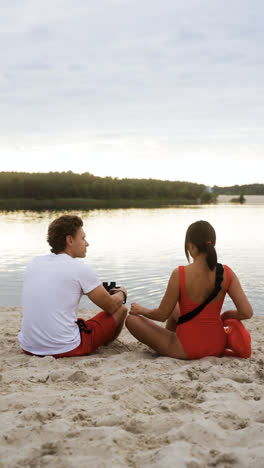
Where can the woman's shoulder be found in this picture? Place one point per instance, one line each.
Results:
(178, 275)
(228, 270)
(175, 272)
(179, 270)
(230, 275)
(185, 267)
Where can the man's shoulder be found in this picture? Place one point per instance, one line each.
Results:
(81, 266)
(36, 265)
(39, 259)
(75, 264)
(52, 259)
(62, 261)
(42, 257)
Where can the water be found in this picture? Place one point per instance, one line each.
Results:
(139, 248)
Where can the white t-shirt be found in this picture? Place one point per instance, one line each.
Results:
(53, 287)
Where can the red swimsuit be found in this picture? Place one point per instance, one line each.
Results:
(204, 335)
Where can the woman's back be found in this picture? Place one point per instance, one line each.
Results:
(200, 282)
(203, 335)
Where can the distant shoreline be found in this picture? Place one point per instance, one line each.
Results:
(88, 204)
(249, 199)
(14, 204)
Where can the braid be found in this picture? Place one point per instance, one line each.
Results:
(211, 256)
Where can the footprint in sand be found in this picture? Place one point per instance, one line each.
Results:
(78, 377)
(231, 421)
(40, 415)
(189, 395)
(223, 459)
(39, 378)
(134, 426)
(49, 448)
(55, 376)
(83, 419)
(260, 374)
(260, 417)
(241, 378)
(192, 374)
(92, 362)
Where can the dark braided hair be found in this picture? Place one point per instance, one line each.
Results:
(203, 236)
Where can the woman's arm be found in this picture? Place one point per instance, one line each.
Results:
(167, 304)
(243, 307)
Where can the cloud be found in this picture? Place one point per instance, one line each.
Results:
(185, 76)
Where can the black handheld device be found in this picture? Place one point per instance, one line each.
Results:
(110, 285)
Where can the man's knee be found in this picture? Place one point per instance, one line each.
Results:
(120, 315)
(131, 322)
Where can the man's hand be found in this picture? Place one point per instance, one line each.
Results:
(108, 303)
(116, 290)
(121, 290)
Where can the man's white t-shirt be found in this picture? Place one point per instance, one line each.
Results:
(53, 287)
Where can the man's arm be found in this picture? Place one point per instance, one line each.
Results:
(100, 297)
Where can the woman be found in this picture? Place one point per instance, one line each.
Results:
(189, 286)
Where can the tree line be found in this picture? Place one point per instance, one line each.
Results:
(250, 189)
(62, 185)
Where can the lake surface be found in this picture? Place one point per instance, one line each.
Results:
(139, 248)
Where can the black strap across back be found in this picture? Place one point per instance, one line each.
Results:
(218, 280)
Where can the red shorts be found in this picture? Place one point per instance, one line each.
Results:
(94, 332)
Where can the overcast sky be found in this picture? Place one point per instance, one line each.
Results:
(166, 89)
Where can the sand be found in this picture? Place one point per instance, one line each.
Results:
(126, 407)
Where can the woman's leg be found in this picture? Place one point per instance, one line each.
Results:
(163, 341)
(172, 321)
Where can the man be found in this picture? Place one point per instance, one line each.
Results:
(53, 287)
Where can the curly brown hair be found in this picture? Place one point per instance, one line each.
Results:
(61, 227)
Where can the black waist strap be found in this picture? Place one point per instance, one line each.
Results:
(218, 280)
(83, 327)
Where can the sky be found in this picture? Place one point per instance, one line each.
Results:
(134, 88)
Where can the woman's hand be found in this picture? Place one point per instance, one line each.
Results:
(137, 309)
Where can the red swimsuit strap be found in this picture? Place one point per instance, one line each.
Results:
(228, 277)
(182, 281)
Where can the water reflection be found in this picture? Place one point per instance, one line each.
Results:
(139, 247)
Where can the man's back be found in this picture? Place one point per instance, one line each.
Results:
(53, 286)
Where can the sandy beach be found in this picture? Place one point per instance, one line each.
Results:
(126, 407)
